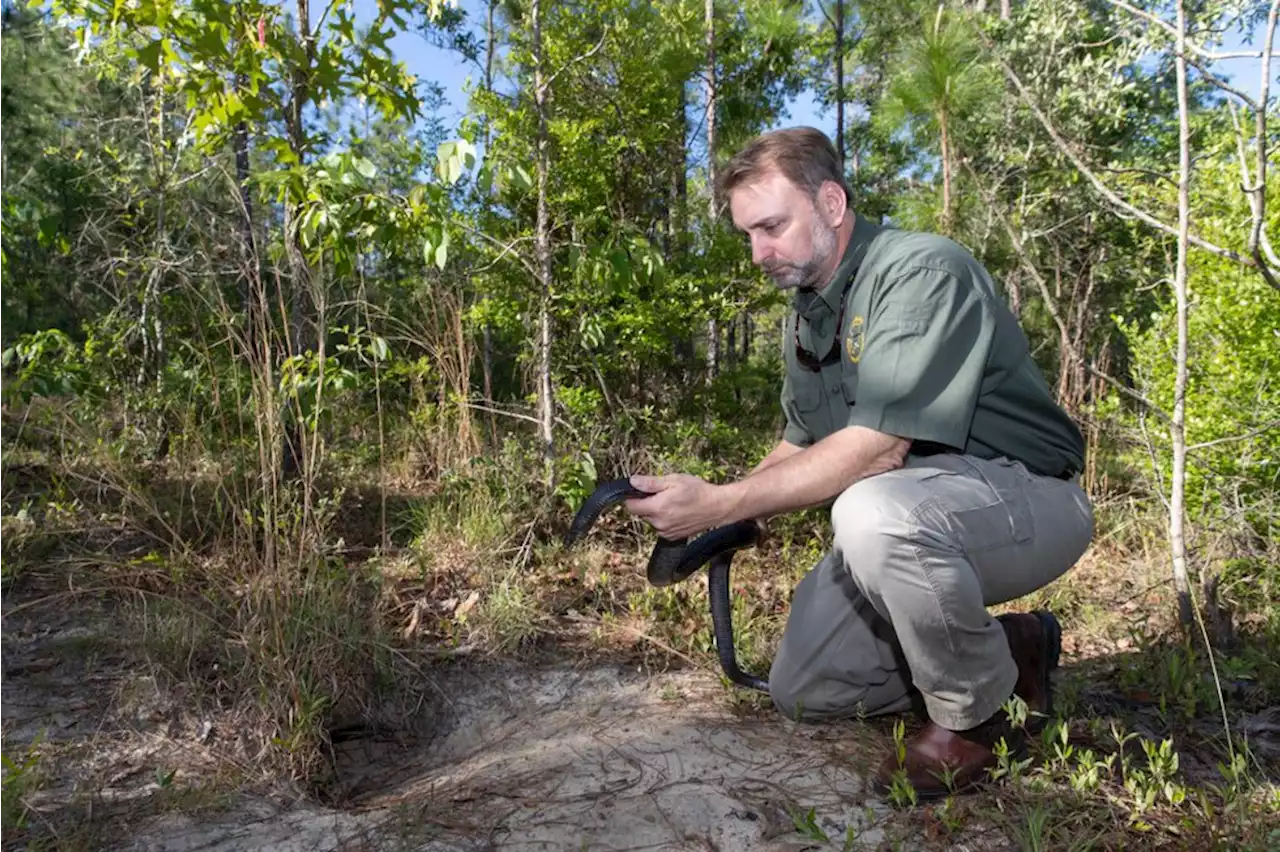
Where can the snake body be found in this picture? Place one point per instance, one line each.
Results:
(673, 560)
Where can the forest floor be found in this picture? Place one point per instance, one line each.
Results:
(551, 701)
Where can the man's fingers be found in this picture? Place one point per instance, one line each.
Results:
(639, 506)
(648, 484)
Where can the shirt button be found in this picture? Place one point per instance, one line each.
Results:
(835, 391)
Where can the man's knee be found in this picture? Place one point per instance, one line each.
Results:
(807, 699)
(786, 690)
(803, 698)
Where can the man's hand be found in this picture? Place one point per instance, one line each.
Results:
(679, 506)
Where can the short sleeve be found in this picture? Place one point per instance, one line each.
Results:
(924, 357)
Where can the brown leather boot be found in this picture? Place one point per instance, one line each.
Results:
(1035, 640)
(939, 761)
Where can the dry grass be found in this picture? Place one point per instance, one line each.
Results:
(349, 635)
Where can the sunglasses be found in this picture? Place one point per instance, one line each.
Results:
(809, 361)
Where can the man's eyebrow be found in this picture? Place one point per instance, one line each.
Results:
(766, 222)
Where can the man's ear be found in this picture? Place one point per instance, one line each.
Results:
(832, 203)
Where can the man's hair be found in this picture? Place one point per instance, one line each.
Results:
(803, 155)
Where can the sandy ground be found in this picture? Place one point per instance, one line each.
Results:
(595, 757)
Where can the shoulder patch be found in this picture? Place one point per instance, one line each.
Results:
(853, 343)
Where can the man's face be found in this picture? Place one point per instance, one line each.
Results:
(790, 240)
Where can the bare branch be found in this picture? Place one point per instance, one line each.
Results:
(1257, 236)
(1173, 31)
(572, 62)
(324, 16)
(507, 248)
(1151, 173)
(1051, 305)
(517, 415)
(1155, 463)
(1210, 77)
(1105, 191)
(823, 8)
(1274, 424)
(1256, 193)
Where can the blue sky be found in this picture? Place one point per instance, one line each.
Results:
(428, 62)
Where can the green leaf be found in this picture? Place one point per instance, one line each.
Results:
(365, 168)
(442, 253)
(149, 56)
(520, 178)
(453, 158)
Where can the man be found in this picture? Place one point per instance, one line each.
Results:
(913, 403)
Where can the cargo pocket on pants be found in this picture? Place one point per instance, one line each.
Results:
(1006, 519)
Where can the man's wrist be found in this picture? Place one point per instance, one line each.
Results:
(730, 497)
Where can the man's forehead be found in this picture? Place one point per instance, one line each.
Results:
(758, 200)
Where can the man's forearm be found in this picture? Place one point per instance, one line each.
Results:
(782, 452)
(801, 478)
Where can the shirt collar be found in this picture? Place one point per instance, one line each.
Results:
(830, 296)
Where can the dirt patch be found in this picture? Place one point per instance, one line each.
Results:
(505, 756)
(597, 758)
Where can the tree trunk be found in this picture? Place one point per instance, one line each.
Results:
(542, 250)
(946, 172)
(487, 356)
(1177, 428)
(298, 304)
(679, 192)
(1006, 10)
(150, 325)
(713, 325)
(840, 81)
(731, 344)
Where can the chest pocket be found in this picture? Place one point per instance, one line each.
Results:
(808, 396)
(849, 384)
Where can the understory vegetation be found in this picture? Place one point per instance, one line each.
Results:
(302, 385)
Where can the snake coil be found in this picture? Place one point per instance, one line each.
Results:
(673, 560)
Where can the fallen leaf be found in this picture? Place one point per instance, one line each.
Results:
(467, 605)
(412, 626)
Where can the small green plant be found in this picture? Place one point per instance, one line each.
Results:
(1089, 772)
(1057, 741)
(22, 777)
(950, 815)
(1156, 780)
(1032, 832)
(509, 616)
(1008, 765)
(902, 793)
(1016, 711)
(806, 822)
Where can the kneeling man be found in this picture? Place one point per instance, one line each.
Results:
(913, 408)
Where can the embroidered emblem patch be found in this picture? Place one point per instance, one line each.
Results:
(853, 343)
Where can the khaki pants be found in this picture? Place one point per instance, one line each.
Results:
(898, 609)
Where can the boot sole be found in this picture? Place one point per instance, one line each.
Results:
(1051, 653)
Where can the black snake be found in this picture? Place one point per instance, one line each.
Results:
(674, 560)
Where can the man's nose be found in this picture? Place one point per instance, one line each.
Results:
(761, 250)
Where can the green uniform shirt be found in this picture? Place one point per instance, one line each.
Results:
(926, 350)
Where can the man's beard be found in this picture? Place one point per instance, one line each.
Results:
(788, 276)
